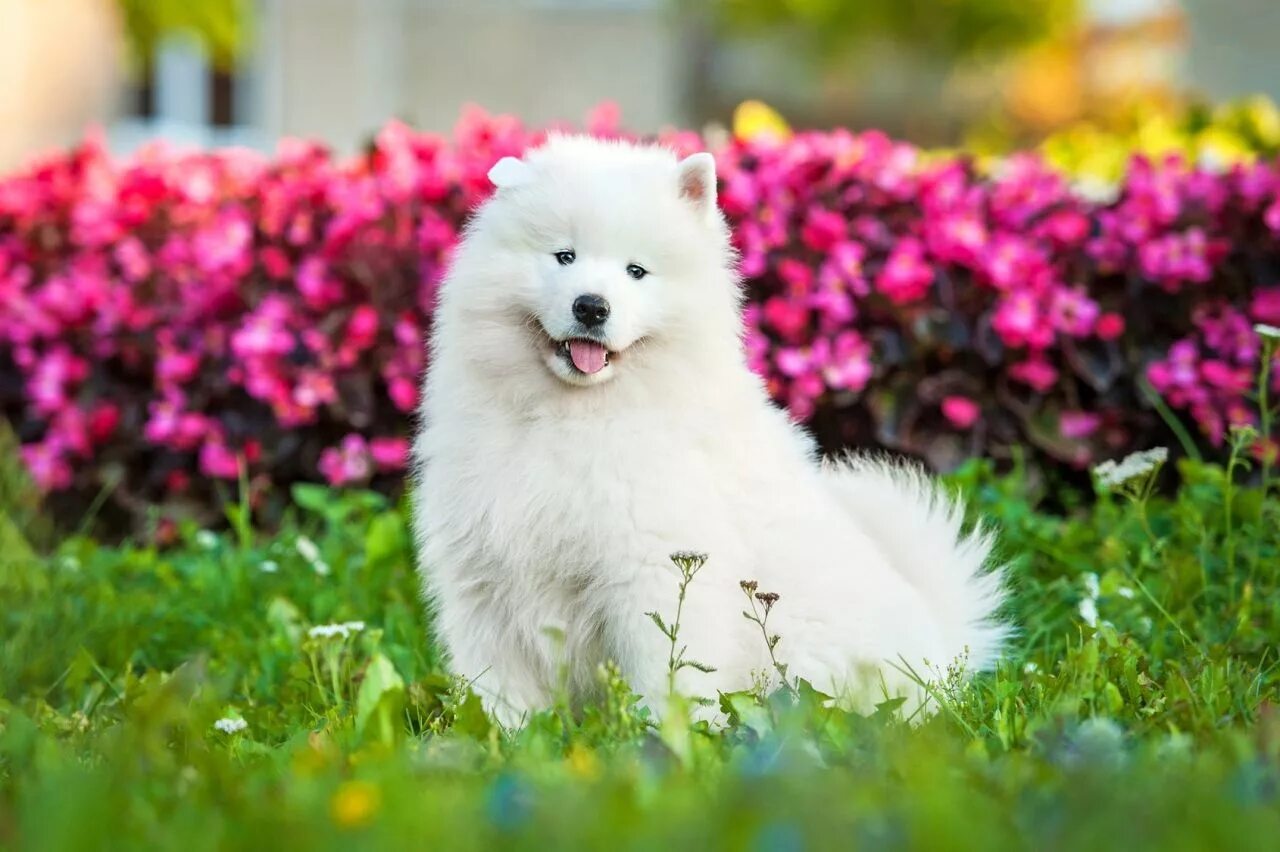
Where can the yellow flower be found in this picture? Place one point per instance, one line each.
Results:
(354, 804)
(757, 120)
(583, 762)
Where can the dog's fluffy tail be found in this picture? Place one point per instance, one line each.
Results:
(919, 527)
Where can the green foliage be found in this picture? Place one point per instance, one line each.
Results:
(1135, 709)
(949, 30)
(221, 26)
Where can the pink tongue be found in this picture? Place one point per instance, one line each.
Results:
(588, 356)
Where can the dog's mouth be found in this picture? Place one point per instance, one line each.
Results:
(584, 355)
(579, 359)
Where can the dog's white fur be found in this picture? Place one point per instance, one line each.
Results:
(549, 501)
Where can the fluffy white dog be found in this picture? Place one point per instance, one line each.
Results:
(588, 411)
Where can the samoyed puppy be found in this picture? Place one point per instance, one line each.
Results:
(588, 412)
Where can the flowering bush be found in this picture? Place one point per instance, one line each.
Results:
(180, 319)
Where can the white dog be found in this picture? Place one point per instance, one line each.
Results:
(588, 412)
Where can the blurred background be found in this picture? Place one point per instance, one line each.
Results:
(937, 72)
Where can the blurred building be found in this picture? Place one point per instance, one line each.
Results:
(337, 69)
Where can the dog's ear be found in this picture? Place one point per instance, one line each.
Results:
(510, 172)
(697, 175)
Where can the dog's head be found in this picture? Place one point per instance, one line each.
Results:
(593, 258)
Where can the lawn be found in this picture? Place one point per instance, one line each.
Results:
(238, 689)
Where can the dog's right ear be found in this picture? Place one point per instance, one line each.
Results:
(697, 176)
(510, 172)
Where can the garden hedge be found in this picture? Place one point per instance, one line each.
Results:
(170, 320)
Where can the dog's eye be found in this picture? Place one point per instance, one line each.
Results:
(636, 271)
(566, 257)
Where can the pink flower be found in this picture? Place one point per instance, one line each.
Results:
(175, 367)
(1011, 262)
(1036, 373)
(103, 420)
(389, 454)
(1020, 321)
(1272, 217)
(848, 366)
(1175, 258)
(225, 245)
(314, 389)
(789, 318)
(217, 461)
(961, 411)
(906, 277)
(1109, 326)
(348, 463)
(362, 328)
(1073, 312)
(47, 466)
(1266, 305)
(823, 229)
(54, 377)
(1077, 425)
(843, 267)
(318, 287)
(263, 334)
(403, 393)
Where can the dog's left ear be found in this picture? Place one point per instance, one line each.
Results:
(697, 174)
(510, 172)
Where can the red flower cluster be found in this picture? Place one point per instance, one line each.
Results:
(226, 313)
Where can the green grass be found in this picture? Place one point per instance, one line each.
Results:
(1156, 728)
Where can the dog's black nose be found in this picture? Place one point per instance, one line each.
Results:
(591, 310)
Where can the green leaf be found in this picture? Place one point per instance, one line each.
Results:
(469, 718)
(386, 540)
(380, 702)
(313, 498)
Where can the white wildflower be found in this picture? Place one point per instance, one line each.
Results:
(1031, 667)
(269, 566)
(1268, 331)
(1091, 586)
(1112, 474)
(307, 548)
(328, 631)
(231, 725)
(206, 539)
(1126, 592)
(1089, 611)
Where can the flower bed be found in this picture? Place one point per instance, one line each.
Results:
(171, 320)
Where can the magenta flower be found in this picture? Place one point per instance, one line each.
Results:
(1078, 425)
(1265, 307)
(389, 454)
(823, 229)
(217, 461)
(162, 303)
(47, 466)
(53, 378)
(348, 463)
(1035, 373)
(906, 276)
(961, 411)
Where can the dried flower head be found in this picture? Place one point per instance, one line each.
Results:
(768, 599)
